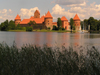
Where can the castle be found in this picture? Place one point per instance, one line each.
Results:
(47, 21)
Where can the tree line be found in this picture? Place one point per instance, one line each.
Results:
(93, 23)
(10, 25)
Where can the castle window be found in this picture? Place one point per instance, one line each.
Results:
(48, 23)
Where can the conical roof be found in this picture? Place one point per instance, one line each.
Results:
(64, 18)
(17, 17)
(76, 17)
(37, 11)
(48, 15)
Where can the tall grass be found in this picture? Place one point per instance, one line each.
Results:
(32, 60)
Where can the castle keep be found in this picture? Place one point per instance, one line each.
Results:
(46, 21)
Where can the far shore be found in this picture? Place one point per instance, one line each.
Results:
(41, 31)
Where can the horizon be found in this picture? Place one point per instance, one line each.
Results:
(58, 8)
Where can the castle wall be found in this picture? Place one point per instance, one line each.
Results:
(38, 26)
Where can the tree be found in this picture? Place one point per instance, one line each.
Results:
(86, 24)
(4, 26)
(32, 23)
(72, 23)
(93, 23)
(18, 27)
(59, 23)
(55, 28)
(98, 26)
(11, 25)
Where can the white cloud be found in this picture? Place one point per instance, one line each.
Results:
(4, 11)
(58, 11)
(5, 14)
(10, 11)
(83, 12)
(26, 13)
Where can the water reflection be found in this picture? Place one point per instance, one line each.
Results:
(50, 39)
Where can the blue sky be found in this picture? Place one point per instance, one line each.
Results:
(58, 8)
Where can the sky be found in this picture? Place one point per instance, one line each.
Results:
(58, 8)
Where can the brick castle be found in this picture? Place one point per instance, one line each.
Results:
(47, 21)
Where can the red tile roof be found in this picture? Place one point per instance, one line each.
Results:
(17, 17)
(48, 15)
(43, 16)
(76, 17)
(37, 20)
(32, 17)
(64, 18)
(54, 23)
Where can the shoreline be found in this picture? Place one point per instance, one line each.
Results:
(41, 31)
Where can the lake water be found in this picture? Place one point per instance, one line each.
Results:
(50, 39)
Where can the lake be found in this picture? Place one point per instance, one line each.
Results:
(50, 39)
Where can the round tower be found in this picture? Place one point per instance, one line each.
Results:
(77, 22)
(48, 20)
(17, 20)
(65, 23)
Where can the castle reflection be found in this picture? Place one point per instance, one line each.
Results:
(52, 39)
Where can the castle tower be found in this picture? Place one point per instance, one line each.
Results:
(48, 20)
(77, 22)
(37, 14)
(17, 20)
(65, 23)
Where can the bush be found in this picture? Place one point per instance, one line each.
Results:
(63, 28)
(48, 28)
(55, 28)
(29, 28)
(24, 28)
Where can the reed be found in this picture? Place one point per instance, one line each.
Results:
(33, 60)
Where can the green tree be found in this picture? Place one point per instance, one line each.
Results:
(55, 28)
(32, 23)
(86, 24)
(59, 23)
(98, 26)
(93, 23)
(72, 24)
(11, 25)
(4, 26)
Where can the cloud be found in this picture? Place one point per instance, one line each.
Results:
(83, 12)
(10, 11)
(58, 11)
(71, 2)
(78, 5)
(4, 11)
(6, 14)
(26, 13)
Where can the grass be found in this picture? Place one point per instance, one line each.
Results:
(33, 60)
(40, 30)
(17, 30)
(51, 30)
